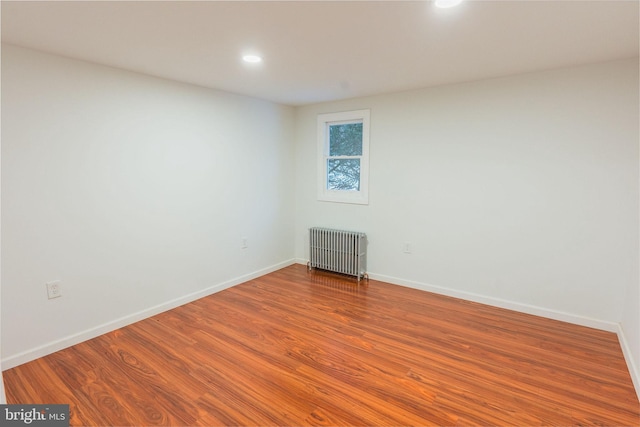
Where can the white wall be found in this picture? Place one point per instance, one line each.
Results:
(3, 398)
(519, 191)
(133, 191)
(630, 330)
(630, 333)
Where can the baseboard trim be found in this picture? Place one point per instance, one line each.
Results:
(524, 308)
(496, 302)
(628, 357)
(52, 347)
(501, 303)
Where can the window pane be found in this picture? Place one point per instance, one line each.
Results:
(345, 140)
(343, 174)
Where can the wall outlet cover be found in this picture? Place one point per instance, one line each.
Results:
(54, 289)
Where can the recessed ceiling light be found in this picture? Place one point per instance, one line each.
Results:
(445, 4)
(252, 59)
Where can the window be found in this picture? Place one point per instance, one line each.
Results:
(343, 157)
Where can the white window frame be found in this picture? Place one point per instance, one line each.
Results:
(360, 197)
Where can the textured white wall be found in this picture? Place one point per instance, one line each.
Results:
(521, 189)
(131, 190)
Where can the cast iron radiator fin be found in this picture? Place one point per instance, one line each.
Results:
(338, 250)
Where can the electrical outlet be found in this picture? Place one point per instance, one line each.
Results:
(244, 243)
(53, 289)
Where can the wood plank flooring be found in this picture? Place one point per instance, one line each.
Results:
(299, 348)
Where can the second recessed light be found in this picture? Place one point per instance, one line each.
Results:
(445, 4)
(252, 59)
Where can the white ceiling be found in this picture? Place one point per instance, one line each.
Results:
(325, 50)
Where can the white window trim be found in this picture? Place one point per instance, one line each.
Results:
(360, 197)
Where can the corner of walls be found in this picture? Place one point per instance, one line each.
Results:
(630, 358)
(136, 192)
(629, 327)
(493, 182)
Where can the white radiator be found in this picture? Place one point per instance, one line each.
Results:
(338, 250)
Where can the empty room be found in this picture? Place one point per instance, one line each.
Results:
(340, 213)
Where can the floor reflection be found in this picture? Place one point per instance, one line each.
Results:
(325, 281)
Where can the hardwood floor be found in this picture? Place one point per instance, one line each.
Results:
(298, 348)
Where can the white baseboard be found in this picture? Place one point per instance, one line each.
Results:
(52, 347)
(523, 308)
(498, 302)
(628, 357)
